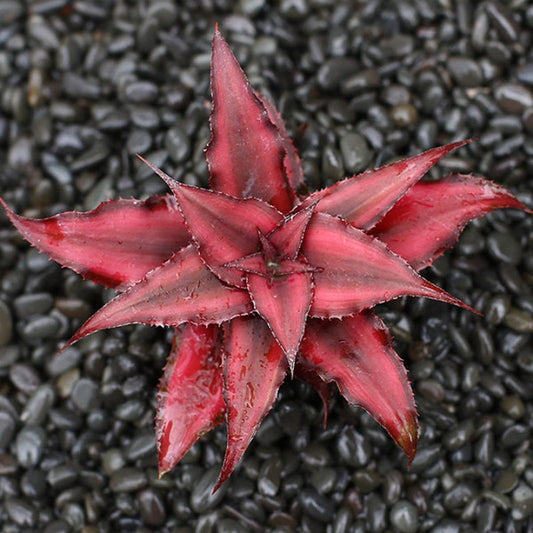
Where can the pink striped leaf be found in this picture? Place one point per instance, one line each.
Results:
(246, 152)
(284, 303)
(254, 368)
(115, 244)
(357, 271)
(363, 199)
(190, 400)
(357, 354)
(430, 217)
(224, 228)
(289, 235)
(183, 289)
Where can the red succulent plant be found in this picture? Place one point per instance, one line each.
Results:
(259, 280)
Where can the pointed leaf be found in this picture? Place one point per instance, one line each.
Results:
(357, 354)
(358, 271)
(292, 162)
(430, 217)
(307, 373)
(115, 244)
(289, 235)
(181, 290)
(254, 367)
(246, 153)
(284, 303)
(269, 250)
(363, 199)
(223, 227)
(190, 400)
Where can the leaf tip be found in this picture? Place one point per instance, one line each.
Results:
(407, 439)
(290, 355)
(171, 182)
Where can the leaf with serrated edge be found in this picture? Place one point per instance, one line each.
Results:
(357, 271)
(115, 244)
(224, 228)
(284, 303)
(430, 217)
(357, 354)
(289, 234)
(181, 290)
(246, 153)
(363, 199)
(190, 400)
(254, 367)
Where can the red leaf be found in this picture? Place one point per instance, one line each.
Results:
(357, 271)
(115, 244)
(223, 227)
(182, 289)
(284, 303)
(190, 400)
(292, 162)
(363, 199)
(307, 373)
(430, 217)
(254, 367)
(356, 353)
(289, 235)
(246, 152)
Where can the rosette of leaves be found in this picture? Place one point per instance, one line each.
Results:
(260, 280)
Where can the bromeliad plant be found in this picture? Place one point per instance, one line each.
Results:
(260, 280)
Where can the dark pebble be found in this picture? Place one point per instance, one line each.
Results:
(139, 141)
(465, 71)
(7, 429)
(355, 152)
(6, 324)
(404, 517)
(24, 377)
(361, 82)
(504, 248)
(30, 304)
(270, 477)
(141, 447)
(127, 480)
(85, 395)
(334, 71)
(425, 457)
(514, 435)
(152, 508)
(33, 484)
(38, 406)
(140, 92)
(513, 97)
(316, 505)
(21, 512)
(353, 448)
(130, 410)
(202, 498)
(41, 327)
(62, 476)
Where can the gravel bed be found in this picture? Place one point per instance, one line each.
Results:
(85, 84)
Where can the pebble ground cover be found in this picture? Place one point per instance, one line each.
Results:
(357, 87)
